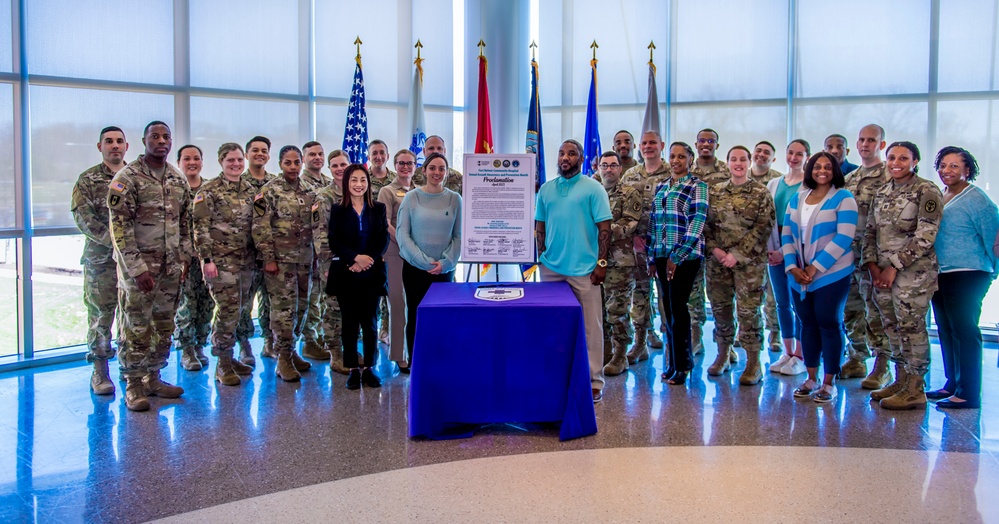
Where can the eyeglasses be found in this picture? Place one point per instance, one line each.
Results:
(609, 166)
(709, 141)
(405, 164)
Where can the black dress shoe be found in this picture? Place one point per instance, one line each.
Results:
(938, 394)
(678, 379)
(668, 373)
(950, 404)
(354, 379)
(369, 379)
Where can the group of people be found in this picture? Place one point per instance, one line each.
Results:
(174, 257)
(826, 250)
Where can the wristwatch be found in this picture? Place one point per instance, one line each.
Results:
(206, 261)
(602, 262)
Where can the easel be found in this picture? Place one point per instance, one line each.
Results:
(495, 266)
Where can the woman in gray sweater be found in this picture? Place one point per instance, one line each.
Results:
(429, 235)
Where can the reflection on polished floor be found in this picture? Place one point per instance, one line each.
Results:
(68, 456)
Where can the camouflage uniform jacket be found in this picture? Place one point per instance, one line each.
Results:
(377, 184)
(740, 219)
(766, 177)
(282, 222)
(646, 183)
(902, 225)
(90, 212)
(452, 182)
(864, 182)
(149, 218)
(223, 218)
(326, 198)
(627, 209)
(315, 183)
(715, 174)
(258, 184)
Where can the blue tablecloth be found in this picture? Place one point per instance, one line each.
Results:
(479, 362)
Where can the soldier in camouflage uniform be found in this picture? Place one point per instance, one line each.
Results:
(902, 226)
(645, 178)
(861, 316)
(194, 314)
(627, 209)
(314, 346)
(740, 219)
(326, 198)
(100, 279)
(257, 156)
(711, 170)
(762, 172)
(149, 205)
(435, 144)
(282, 233)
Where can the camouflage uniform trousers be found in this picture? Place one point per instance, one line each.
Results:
(194, 315)
(641, 302)
(314, 322)
(383, 314)
(332, 321)
(862, 319)
(903, 311)
(743, 285)
(619, 286)
(696, 307)
(147, 321)
(769, 305)
(100, 295)
(289, 292)
(231, 292)
(259, 290)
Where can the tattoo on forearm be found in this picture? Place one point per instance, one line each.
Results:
(539, 236)
(603, 239)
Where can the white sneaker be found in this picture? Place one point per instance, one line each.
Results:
(793, 367)
(775, 367)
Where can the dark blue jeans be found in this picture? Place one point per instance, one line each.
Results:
(790, 325)
(957, 307)
(821, 314)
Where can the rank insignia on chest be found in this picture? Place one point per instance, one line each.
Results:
(301, 201)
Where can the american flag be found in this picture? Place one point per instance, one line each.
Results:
(355, 132)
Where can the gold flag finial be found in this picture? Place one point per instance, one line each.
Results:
(418, 47)
(534, 47)
(652, 47)
(482, 45)
(357, 42)
(594, 47)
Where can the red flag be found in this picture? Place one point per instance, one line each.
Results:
(484, 131)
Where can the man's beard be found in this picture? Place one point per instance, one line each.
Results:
(573, 171)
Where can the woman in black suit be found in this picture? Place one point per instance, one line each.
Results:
(358, 237)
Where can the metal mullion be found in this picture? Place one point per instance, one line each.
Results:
(25, 306)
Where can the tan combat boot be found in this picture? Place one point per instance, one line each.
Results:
(696, 334)
(189, 359)
(618, 362)
(224, 372)
(911, 396)
(199, 353)
(100, 380)
(246, 354)
(640, 349)
(776, 345)
(654, 341)
(135, 395)
(241, 368)
(880, 375)
(312, 349)
(894, 387)
(286, 369)
(300, 363)
(608, 351)
(268, 351)
(752, 375)
(721, 363)
(155, 387)
(336, 360)
(733, 356)
(853, 369)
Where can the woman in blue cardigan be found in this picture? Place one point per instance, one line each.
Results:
(964, 247)
(819, 225)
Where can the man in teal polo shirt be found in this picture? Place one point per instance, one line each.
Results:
(573, 234)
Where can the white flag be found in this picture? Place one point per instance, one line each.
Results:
(651, 120)
(417, 120)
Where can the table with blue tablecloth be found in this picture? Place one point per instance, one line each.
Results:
(479, 362)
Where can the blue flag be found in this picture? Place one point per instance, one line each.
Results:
(591, 141)
(355, 132)
(535, 138)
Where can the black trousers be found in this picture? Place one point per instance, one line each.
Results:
(358, 312)
(415, 283)
(957, 307)
(675, 294)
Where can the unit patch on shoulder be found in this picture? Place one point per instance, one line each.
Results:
(259, 205)
(930, 206)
